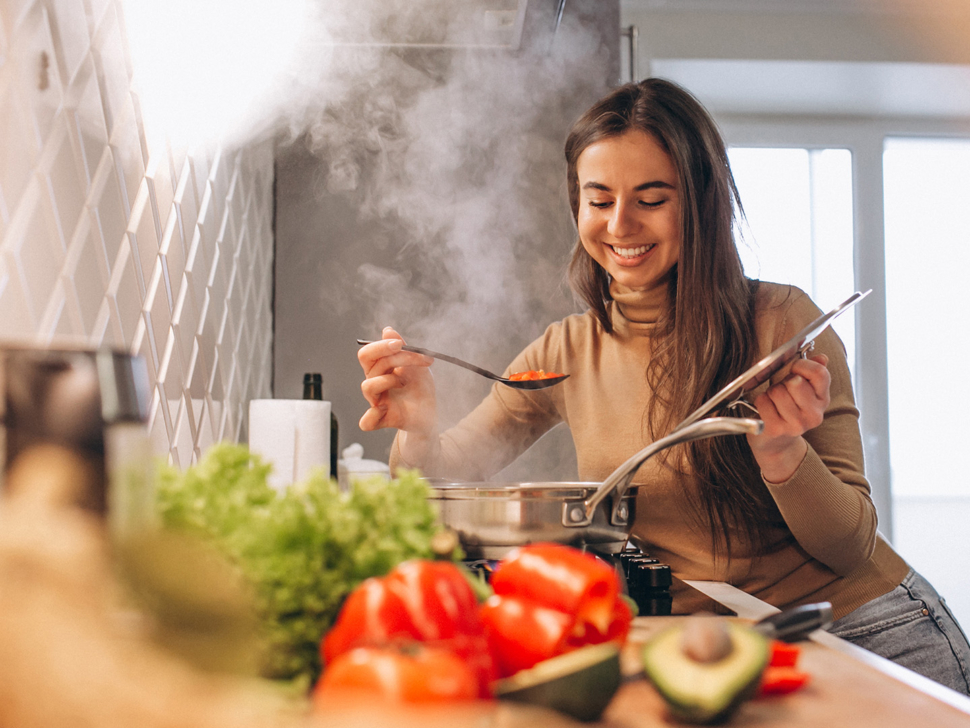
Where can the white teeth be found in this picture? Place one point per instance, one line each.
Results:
(631, 252)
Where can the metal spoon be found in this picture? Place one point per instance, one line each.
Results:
(514, 383)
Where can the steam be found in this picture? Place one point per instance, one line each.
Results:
(454, 154)
(452, 158)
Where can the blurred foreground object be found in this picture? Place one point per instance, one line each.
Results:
(68, 657)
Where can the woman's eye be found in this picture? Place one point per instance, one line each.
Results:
(598, 204)
(654, 203)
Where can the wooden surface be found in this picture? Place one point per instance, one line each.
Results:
(843, 691)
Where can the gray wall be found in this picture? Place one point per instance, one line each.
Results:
(429, 195)
(805, 30)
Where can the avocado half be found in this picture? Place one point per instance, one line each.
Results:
(705, 692)
(580, 683)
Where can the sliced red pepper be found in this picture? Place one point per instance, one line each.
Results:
(781, 680)
(427, 601)
(566, 579)
(783, 654)
(522, 632)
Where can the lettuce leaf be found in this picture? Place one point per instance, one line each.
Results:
(302, 552)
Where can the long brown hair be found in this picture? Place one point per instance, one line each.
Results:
(706, 337)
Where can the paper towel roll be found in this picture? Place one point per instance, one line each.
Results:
(293, 435)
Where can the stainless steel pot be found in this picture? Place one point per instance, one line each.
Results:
(90, 402)
(492, 518)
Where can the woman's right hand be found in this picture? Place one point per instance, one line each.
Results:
(398, 387)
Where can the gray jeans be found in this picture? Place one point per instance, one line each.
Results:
(912, 626)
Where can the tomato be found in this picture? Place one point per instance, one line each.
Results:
(411, 672)
(781, 680)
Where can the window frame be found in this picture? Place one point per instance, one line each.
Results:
(865, 140)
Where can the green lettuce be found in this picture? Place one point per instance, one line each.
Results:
(301, 552)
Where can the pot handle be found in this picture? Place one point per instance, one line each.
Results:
(619, 480)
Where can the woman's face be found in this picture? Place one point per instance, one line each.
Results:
(629, 208)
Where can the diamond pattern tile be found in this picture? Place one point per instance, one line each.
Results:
(88, 118)
(106, 242)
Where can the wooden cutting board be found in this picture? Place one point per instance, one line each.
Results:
(844, 691)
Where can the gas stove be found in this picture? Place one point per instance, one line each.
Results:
(645, 580)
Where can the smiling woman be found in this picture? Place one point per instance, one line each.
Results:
(785, 514)
(629, 214)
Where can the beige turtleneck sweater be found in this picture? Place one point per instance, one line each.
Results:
(823, 542)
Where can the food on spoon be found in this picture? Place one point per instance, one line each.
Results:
(580, 683)
(532, 375)
(697, 678)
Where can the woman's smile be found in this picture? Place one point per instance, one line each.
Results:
(631, 254)
(629, 210)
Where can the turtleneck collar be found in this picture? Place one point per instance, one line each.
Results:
(635, 309)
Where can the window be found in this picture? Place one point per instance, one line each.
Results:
(927, 193)
(799, 228)
(927, 232)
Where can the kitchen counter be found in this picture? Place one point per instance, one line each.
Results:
(844, 691)
(849, 686)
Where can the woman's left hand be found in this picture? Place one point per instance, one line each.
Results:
(789, 409)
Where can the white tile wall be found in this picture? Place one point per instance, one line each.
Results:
(107, 243)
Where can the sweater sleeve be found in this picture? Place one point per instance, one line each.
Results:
(826, 503)
(503, 426)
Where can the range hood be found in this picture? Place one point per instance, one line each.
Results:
(486, 24)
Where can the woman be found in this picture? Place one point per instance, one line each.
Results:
(784, 515)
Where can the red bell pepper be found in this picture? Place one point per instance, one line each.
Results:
(522, 632)
(550, 599)
(412, 673)
(783, 654)
(563, 578)
(781, 680)
(425, 601)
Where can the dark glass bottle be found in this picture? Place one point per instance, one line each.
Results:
(313, 389)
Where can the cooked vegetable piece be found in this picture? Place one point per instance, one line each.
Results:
(580, 683)
(532, 375)
(705, 691)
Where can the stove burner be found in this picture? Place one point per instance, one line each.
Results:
(647, 582)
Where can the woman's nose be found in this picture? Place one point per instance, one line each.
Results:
(622, 222)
